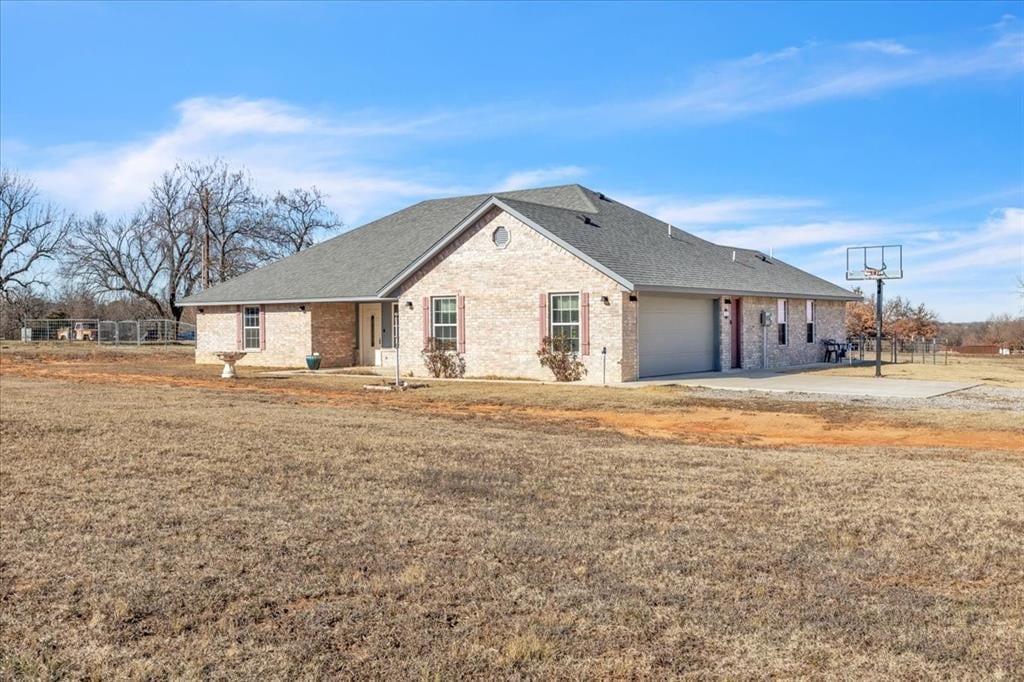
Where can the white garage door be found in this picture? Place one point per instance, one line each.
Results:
(676, 335)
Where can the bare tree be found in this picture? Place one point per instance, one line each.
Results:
(296, 218)
(20, 305)
(33, 232)
(229, 218)
(150, 255)
(118, 258)
(173, 223)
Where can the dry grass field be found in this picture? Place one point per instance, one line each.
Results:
(156, 522)
(992, 370)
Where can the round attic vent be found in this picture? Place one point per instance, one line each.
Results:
(500, 236)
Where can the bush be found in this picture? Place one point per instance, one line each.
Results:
(561, 360)
(441, 361)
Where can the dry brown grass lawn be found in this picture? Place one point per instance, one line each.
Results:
(993, 370)
(154, 527)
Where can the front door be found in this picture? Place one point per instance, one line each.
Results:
(735, 322)
(369, 333)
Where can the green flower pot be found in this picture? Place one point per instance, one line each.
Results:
(313, 361)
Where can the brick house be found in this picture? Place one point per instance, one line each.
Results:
(491, 275)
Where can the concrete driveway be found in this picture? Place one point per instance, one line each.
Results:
(803, 381)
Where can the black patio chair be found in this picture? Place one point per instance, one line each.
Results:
(831, 350)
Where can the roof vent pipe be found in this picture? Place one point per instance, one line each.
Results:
(669, 226)
(734, 255)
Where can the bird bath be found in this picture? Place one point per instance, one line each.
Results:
(229, 358)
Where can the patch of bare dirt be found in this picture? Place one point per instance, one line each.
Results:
(696, 424)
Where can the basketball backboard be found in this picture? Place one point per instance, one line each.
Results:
(874, 262)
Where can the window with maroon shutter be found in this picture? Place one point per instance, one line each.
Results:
(810, 321)
(426, 322)
(238, 327)
(461, 321)
(445, 321)
(543, 320)
(782, 321)
(263, 329)
(565, 322)
(251, 328)
(585, 323)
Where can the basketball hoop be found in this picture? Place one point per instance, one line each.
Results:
(874, 262)
(871, 263)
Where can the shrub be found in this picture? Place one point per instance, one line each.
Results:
(557, 356)
(441, 361)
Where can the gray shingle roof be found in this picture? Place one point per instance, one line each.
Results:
(358, 263)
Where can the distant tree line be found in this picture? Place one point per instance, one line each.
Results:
(998, 330)
(203, 223)
(904, 321)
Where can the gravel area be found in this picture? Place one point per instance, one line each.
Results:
(976, 398)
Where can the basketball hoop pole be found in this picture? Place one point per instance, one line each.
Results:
(878, 330)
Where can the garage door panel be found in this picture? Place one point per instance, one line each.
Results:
(676, 335)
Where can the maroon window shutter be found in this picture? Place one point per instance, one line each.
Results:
(238, 327)
(542, 319)
(461, 319)
(263, 330)
(426, 321)
(585, 323)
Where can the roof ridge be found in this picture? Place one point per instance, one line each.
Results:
(537, 203)
(578, 189)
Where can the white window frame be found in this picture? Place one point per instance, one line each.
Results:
(552, 324)
(812, 327)
(246, 327)
(782, 320)
(445, 342)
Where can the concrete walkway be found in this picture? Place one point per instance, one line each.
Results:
(809, 382)
(800, 380)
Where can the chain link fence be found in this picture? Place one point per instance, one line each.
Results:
(930, 351)
(113, 332)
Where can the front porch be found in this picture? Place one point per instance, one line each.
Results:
(342, 333)
(375, 334)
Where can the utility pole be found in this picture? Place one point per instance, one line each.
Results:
(204, 208)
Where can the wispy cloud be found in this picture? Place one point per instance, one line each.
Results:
(354, 155)
(779, 237)
(998, 241)
(801, 75)
(282, 145)
(984, 255)
(541, 176)
(890, 47)
(714, 211)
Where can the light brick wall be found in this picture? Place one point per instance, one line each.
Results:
(287, 335)
(829, 324)
(501, 289)
(725, 313)
(291, 334)
(630, 347)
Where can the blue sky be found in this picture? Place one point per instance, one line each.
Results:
(800, 127)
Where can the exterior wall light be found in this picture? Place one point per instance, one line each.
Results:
(302, 308)
(408, 305)
(200, 310)
(604, 299)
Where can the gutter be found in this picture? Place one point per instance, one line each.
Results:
(743, 292)
(347, 299)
